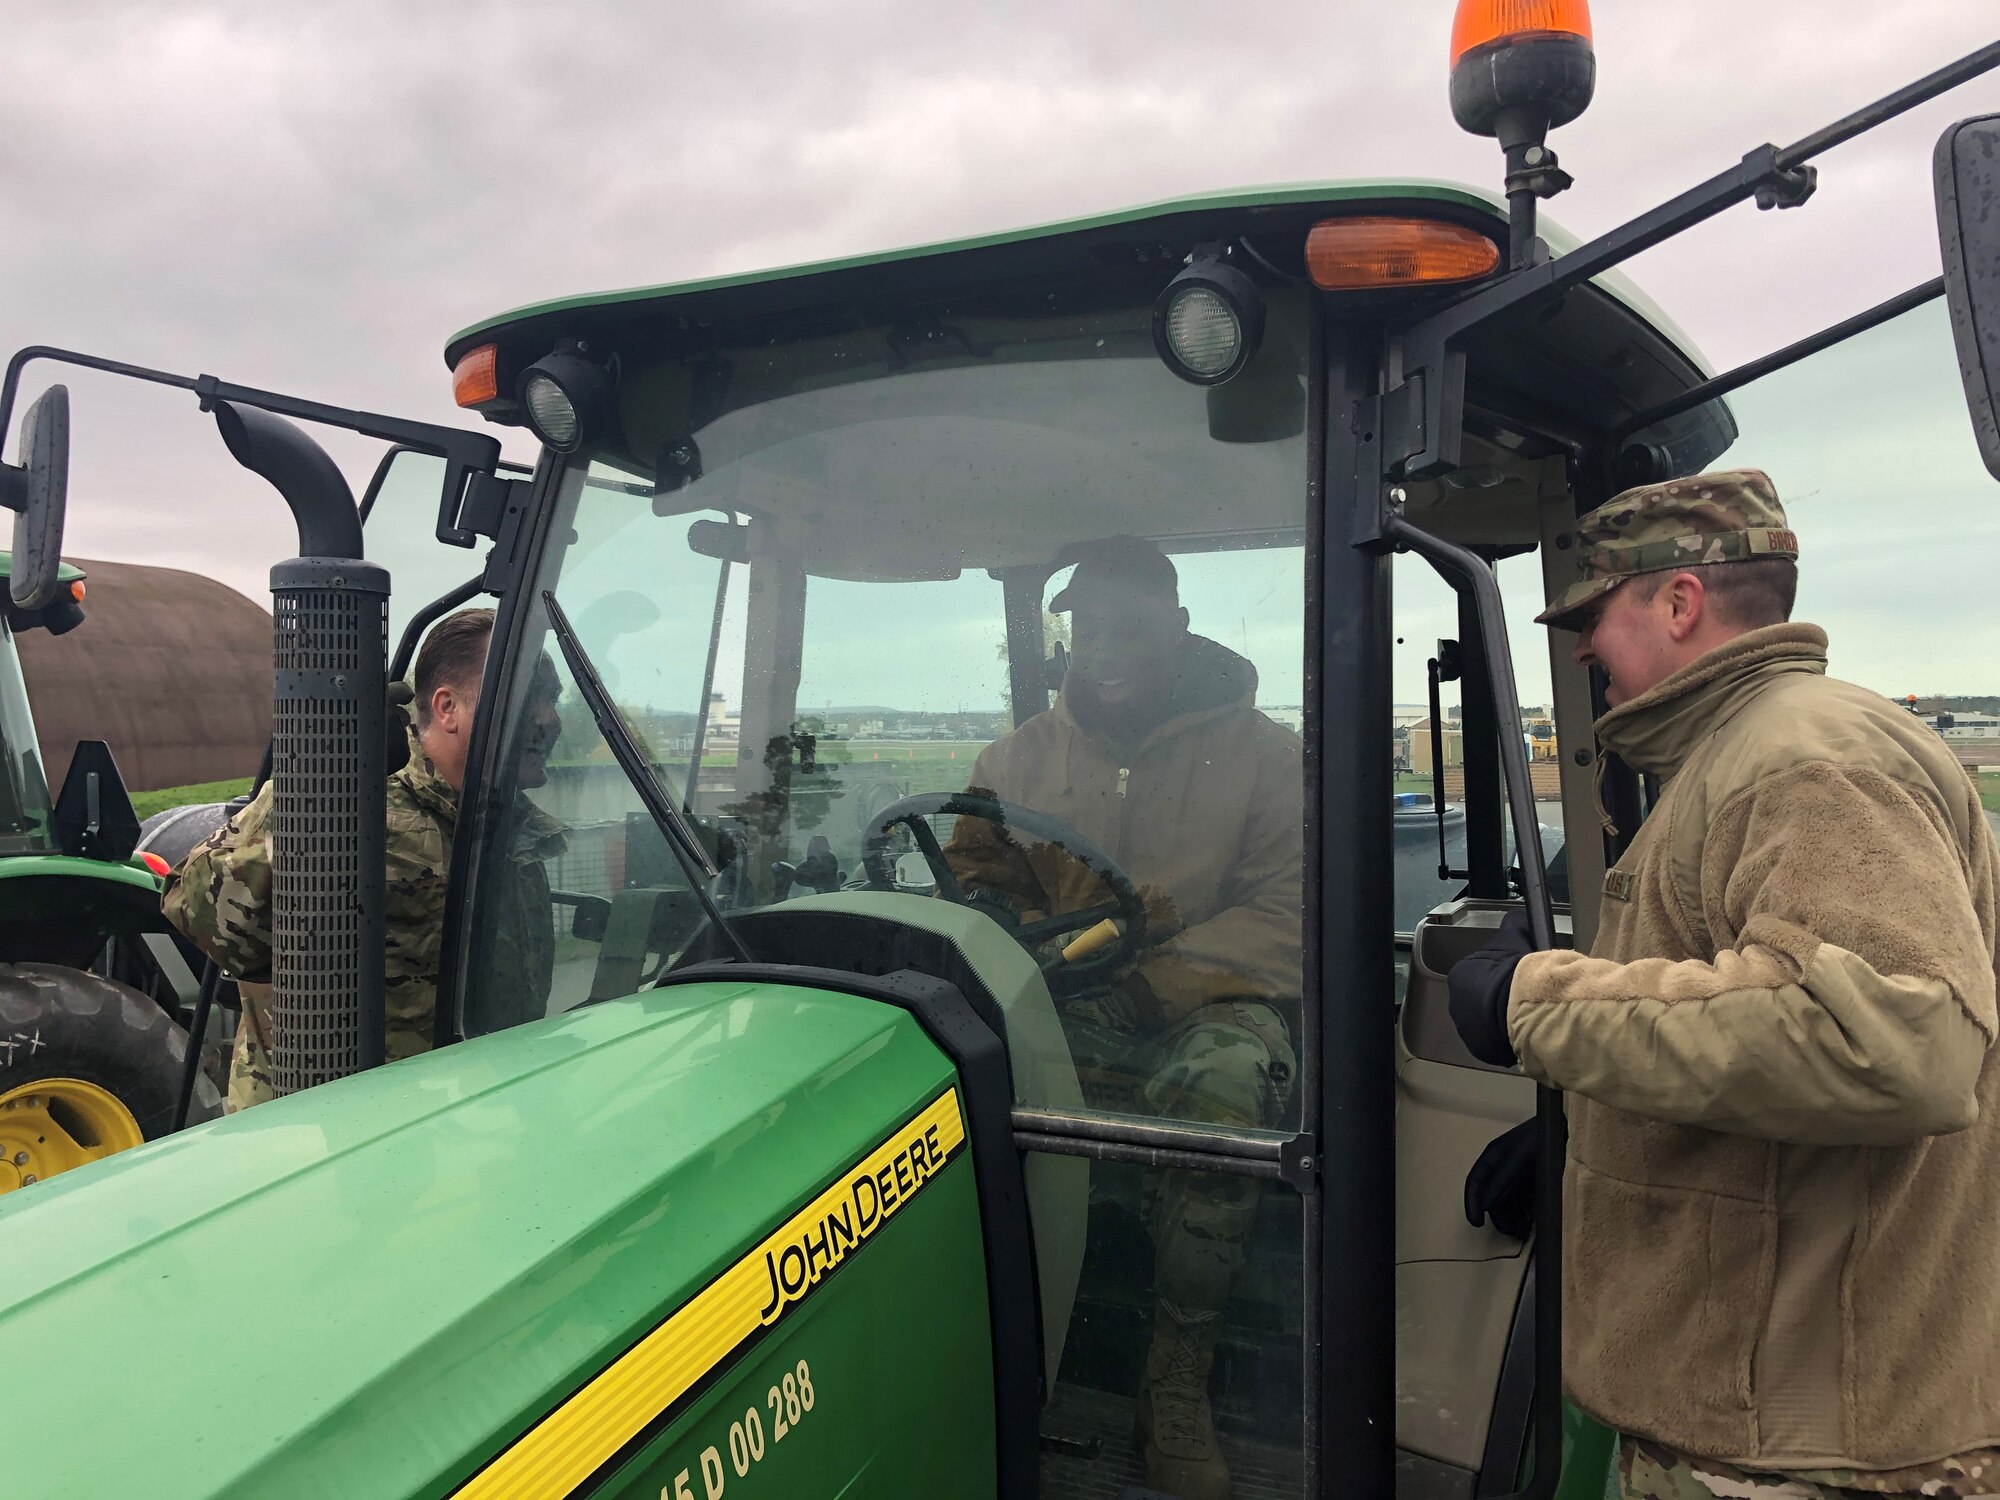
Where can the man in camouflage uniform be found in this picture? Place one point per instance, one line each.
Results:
(221, 895)
(1781, 1203)
(1155, 752)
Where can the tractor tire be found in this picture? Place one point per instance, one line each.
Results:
(75, 1051)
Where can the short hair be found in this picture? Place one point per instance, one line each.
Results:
(453, 656)
(1746, 593)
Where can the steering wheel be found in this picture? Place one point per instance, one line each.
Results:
(1126, 905)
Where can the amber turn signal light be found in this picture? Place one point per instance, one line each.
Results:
(475, 379)
(1481, 21)
(1371, 252)
(76, 591)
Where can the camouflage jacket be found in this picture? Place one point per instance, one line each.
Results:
(221, 898)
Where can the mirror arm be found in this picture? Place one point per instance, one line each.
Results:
(10, 385)
(466, 454)
(1423, 438)
(1778, 359)
(1925, 89)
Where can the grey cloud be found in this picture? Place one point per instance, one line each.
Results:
(313, 198)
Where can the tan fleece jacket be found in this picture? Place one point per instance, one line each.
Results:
(1206, 817)
(1782, 1197)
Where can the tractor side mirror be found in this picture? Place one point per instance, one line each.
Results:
(1965, 172)
(35, 490)
(404, 482)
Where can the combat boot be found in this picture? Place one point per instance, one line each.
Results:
(1176, 1430)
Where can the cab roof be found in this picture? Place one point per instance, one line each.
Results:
(1178, 221)
(65, 573)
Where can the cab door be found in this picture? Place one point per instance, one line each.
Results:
(859, 649)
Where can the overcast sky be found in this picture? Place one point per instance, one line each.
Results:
(313, 198)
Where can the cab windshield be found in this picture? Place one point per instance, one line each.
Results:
(819, 578)
(973, 621)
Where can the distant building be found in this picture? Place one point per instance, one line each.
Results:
(1293, 719)
(171, 668)
(1967, 726)
(1420, 746)
(724, 728)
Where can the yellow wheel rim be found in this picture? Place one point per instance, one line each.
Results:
(53, 1124)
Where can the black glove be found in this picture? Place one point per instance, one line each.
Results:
(396, 723)
(1477, 986)
(1501, 1184)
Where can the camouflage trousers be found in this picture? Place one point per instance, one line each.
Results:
(253, 1078)
(1647, 1471)
(1230, 1063)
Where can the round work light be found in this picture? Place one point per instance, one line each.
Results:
(1208, 322)
(563, 397)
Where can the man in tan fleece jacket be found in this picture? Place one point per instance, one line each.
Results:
(1782, 1194)
(1155, 752)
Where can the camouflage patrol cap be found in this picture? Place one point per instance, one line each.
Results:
(1729, 516)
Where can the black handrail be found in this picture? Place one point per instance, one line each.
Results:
(1478, 579)
(413, 632)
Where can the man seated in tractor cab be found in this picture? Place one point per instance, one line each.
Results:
(1155, 752)
(220, 897)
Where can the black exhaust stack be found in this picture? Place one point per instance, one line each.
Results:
(329, 620)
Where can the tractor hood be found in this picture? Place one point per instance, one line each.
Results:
(373, 1287)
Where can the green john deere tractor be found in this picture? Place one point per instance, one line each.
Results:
(93, 1058)
(764, 1152)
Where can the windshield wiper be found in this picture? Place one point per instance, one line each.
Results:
(680, 833)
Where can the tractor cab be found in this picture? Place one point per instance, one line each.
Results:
(930, 1000)
(794, 659)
